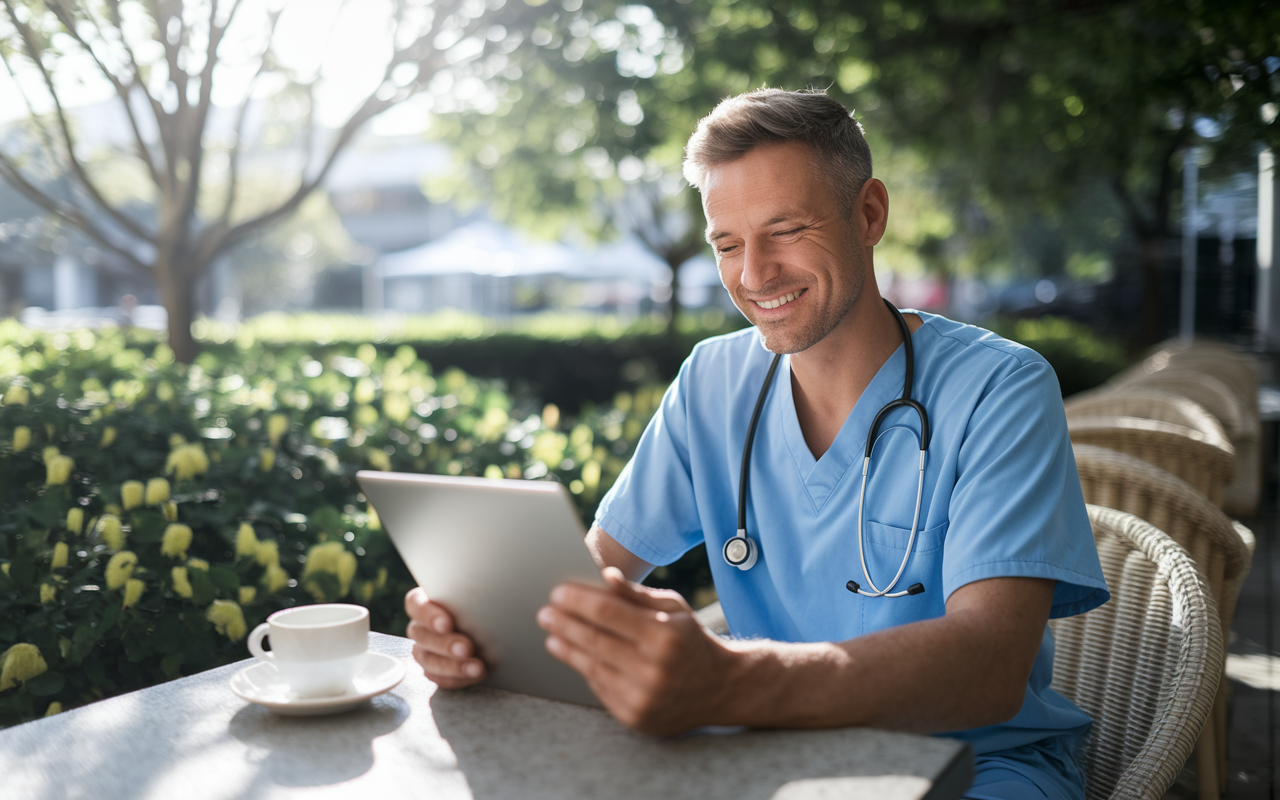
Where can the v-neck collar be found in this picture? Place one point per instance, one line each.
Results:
(821, 476)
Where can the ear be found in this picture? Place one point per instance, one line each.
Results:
(871, 212)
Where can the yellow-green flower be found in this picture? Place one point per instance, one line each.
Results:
(5, 567)
(176, 439)
(75, 520)
(187, 461)
(176, 540)
(120, 568)
(382, 577)
(17, 395)
(379, 460)
(274, 578)
(227, 619)
(111, 532)
(198, 563)
(48, 593)
(64, 646)
(19, 664)
(364, 590)
(181, 582)
(108, 436)
(335, 559)
(58, 470)
(170, 511)
(131, 494)
(133, 592)
(247, 593)
(157, 491)
(266, 459)
(277, 426)
(54, 708)
(246, 541)
(268, 552)
(113, 509)
(60, 552)
(21, 438)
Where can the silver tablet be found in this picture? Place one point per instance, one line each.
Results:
(490, 551)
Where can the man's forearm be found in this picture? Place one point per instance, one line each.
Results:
(964, 670)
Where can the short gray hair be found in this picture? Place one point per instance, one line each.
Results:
(740, 124)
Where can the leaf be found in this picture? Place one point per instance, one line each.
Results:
(202, 588)
(148, 528)
(171, 664)
(45, 684)
(109, 618)
(225, 579)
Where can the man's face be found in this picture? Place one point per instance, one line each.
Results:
(787, 255)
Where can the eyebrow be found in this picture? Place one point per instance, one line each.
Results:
(718, 235)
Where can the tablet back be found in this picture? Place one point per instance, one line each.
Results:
(490, 551)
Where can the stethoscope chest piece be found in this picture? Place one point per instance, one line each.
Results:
(741, 552)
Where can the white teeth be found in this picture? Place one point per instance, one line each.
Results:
(786, 298)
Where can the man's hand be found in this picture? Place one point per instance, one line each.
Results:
(446, 656)
(641, 652)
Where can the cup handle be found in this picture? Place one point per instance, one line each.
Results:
(255, 642)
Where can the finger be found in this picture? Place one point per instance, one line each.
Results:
(602, 677)
(605, 609)
(599, 643)
(423, 610)
(449, 672)
(657, 599)
(456, 645)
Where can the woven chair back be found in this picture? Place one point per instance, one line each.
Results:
(1202, 458)
(1146, 403)
(1214, 395)
(1222, 550)
(1144, 665)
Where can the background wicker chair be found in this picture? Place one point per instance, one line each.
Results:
(1202, 457)
(1222, 550)
(1144, 665)
(1227, 387)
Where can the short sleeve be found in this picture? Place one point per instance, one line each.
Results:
(651, 510)
(1017, 509)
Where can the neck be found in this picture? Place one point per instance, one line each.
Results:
(828, 378)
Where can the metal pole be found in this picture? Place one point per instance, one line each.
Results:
(1266, 245)
(1190, 201)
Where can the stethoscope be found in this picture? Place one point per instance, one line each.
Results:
(742, 552)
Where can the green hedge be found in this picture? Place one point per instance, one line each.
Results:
(151, 513)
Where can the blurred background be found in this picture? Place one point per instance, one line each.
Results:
(190, 167)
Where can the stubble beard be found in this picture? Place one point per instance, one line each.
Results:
(782, 337)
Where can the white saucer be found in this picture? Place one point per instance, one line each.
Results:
(260, 683)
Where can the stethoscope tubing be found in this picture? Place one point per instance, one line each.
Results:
(747, 547)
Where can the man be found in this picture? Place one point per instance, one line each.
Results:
(994, 529)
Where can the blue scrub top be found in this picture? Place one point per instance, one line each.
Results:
(1001, 498)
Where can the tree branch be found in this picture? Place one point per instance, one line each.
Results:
(67, 18)
(233, 158)
(69, 214)
(68, 140)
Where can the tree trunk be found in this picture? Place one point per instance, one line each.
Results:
(177, 292)
(673, 303)
(1150, 261)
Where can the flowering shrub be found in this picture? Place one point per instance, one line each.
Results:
(152, 513)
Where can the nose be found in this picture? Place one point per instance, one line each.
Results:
(759, 266)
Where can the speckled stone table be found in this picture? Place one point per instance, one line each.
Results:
(192, 739)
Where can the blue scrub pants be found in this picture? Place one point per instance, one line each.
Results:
(1043, 771)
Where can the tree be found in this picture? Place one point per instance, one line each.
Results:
(202, 87)
(1029, 105)
(1020, 107)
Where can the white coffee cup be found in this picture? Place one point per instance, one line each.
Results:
(316, 649)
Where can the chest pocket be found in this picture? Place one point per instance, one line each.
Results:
(885, 547)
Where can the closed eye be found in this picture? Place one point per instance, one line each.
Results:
(791, 232)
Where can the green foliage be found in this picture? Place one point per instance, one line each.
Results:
(1081, 358)
(265, 437)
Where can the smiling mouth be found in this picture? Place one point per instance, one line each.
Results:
(781, 301)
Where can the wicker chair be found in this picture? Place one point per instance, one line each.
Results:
(1222, 550)
(1230, 393)
(1144, 665)
(1200, 456)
